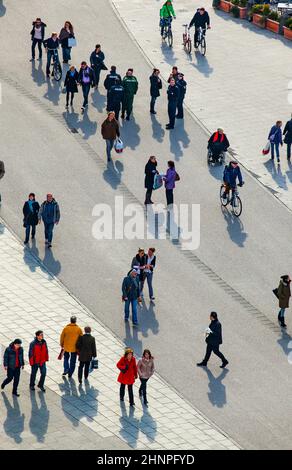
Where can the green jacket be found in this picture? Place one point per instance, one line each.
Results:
(130, 85)
(167, 11)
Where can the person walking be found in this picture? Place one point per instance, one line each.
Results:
(50, 214)
(145, 369)
(97, 58)
(275, 138)
(173, 96)
(130, 84)
(128, 374)
(86, 348)
(71, 84)
(150, 172)
(115, 98)
(139, 264)
(288, 137)
(68, 340)
(110, 80)
(213, 340)
(52, 45)
(284, 294)
(66, 32)
(182, 86)
(38, 357)
(148, 271)
(37, 36)
(86, 80)
(30, 216)
(155, 87)
(169, 181)
(131, 295)
(110, 131)
(2, 173)
(13, 362)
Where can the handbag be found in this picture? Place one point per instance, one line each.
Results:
(94, 364)
(275, 292)
(158, 181)
(177, 177)
(72, 42)
(118, 145)
(266, 149)
(61, 355)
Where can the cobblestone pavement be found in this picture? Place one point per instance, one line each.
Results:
(69, 415)
(243, 84)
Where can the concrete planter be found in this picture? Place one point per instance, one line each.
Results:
(258, 20)
(225, 6)
(287, 33)
(272, 25)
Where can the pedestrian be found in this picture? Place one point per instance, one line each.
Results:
(148, 271)
(275, 138)
(66, 32)
(173, 74)
(38, 357)
(145, 369)
(2, 172)
(182, 86)
(110, 131)
(86, 80)
(71, 84)
(213, 340)
(115, 98)
(30, 216)
(50, 214)
(110, 80)
(52, 45)
(150, 172)
(139, 264)
(288, 137)
(284, 294)
(97, 63)
(155, 86)
(169, 180)
(128, 374)
(37, 36)
(68, 340)
(13, 362)
(86, 348)
(130, 84)
(173, 96)
(131, 295)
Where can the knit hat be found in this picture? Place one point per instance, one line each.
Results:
(128, 350)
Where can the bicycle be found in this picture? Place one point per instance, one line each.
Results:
(167, 32)
(201, 41)
(57, 69)
(234, 200)
(187, 42)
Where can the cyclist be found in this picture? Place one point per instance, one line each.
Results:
(166, 15)
(218, 143)
(230, 175)
(51, 44)
(200, 19)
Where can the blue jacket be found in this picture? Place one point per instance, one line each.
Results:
(10, 357)
(231, 174)
(277, 133)
(130, 288)
(182, 86)
(49, 212)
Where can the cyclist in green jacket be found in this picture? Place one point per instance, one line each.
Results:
(166, 14)
(130, 84)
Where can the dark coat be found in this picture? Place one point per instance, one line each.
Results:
(155, 85)
(284, 294)
(288, 132)
(43, 26)
(51, 44)
(30, 217)
(200, 20)
(48, 213)
(275, 135)
(71, 82)
(230, 175)
(110, 130)
(173, 93)
(215, 338)
(110, 80)
(9, 359)
(130, 288)
(64, 36)
(86, 347)
(182, 86)
(97, 59)
(150, 172)
(115, 96)
(2, 169)
(90, 73)
(137, 263)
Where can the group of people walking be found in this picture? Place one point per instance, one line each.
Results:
(34, 213)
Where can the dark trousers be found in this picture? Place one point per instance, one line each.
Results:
(130, 392)
(169, 196)
(148, 196)
(43, 372)
(50, 54)
(152, 103)
(143, 389)
(27, 232)
(96, 71)
(171, 112)
(215, 350)
(67, 97)
(12, 374)
(289, 150)
(49, 231)
(180, 109)
(85, 91)
(116, 108)
(34, 43)
(197, 34)
(127, 106)
(66, 54)
(85, 366)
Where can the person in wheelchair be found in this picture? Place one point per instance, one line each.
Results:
(217, 145)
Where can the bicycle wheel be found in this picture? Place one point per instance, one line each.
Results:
(236, 206)
(224, 201)
(169, 38)
(57, 72)
(189, 46)
(203, 46)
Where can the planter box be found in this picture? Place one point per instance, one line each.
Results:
(225, 6)
(272, 25)
(258, 20)
(287, 33)
(242, 12)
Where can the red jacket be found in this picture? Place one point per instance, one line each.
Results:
(128, 377)
(38, 352)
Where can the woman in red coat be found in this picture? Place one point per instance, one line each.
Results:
(128, 373)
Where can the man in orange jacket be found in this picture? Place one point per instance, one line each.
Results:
(68, 340)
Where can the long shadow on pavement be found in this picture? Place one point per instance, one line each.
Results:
(131, 338)
(132, 426)
(80, 122)
(217, 390)
(148, 321)
(14, 422)
(98, 101)
(2, 8)
(37, 73)
(235, 228)
(131, 133)
(53, 91)
(285, 341)
(113, 173)
(40, 415)
(157, 130)
(276, 173)
(202, 65)
(178, 139)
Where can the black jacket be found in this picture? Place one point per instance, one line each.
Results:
(288, 132)
(200, 20)
(90, 73)
(220, 145)
(182, 86)
(110, 80)
(173, 93)
(30, 217)
(155, 85)
(115, 96)
(150, 171)
(43, 26)
(10, 357)
(2, 169)
(71, 82)
(86, 347)
(137, 262)
(50, 44)
(215, 338)
(97, 59)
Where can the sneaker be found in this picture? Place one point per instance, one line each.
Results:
(278, 160)
(65, 373)
(42, 389)
(49, 245)
(202, 364)
(152, 298)
(2, 387)
(15, 394)
(32, 388)
(135, 323)
(224, 364)
(132, 404)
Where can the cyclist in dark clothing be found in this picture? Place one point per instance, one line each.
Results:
(51, 45)
(230, 175)
(200, 19)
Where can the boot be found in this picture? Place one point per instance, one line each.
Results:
(283, 324)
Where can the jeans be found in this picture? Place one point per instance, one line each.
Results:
(85, 90)
(12, 374)
(69, 362)
(282, 313)
(169, 196)
(171, 112)
(215, 350)
(49, 231)
(180, 109)
(34, 43)
(85, 366)
(165, 22)
(289, 150)
(275, 146)
(149, 278)
(96, 71)
(152, 103)
(66, 53)
(130, 392)
(109, 146)
(148, 196)
(143, 389)
(68, 93)
(43, 372)
(50, 54)
(27, 232)
(134, 304)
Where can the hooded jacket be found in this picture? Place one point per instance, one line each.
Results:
(69, 337)
(128, 370)
(200, 20)
(130, 288)
(167, 11)
(38, 352)
(231, 174)
(49, 214)
(9, 359)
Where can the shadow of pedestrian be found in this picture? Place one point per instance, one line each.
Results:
(40, 415)
(2, 228)
(168, 54)
(2, 8)
(157, 130)
(217, 393)
(129, 431)
(98, 101)
(285, 341)
(88, 395)
(131, 337)
(29, 260)
(148, 425)
(289, 172)
(235, 228)
(87, 126)
(37, 74)
(69, 399)
(203, 65)
(53, 265)
(14, 422)
(131, 133)
(276, 173)
(113, 173)
(179, 140)
(53, 92)
(148, 319)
